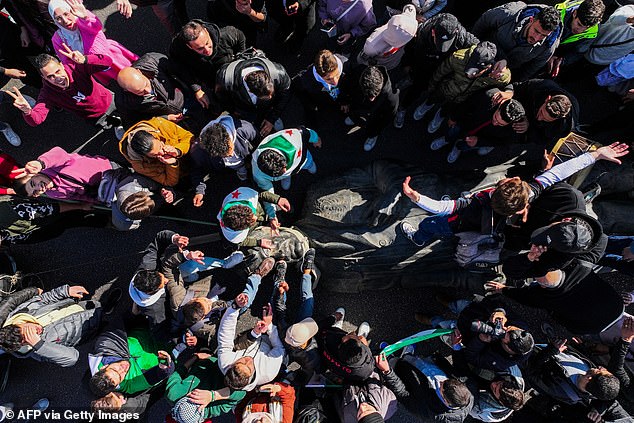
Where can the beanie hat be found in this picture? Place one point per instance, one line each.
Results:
(512, 111)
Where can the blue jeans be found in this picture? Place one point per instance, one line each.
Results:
(431, 228)
(456, 308)
(307, 303)
(613, 255)
(253, 283)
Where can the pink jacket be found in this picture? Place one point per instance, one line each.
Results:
(95, 42)
(77, 168)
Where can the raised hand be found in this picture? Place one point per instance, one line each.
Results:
(77, 8)
(31, 168)
(75, 56)
(180, 240)
(15, 73)
(125, 8)
(284, 204)
(19, 102)
(407, 190)
(275, 226)
(267, 314)
(242, 300)
(168, 195)
(381, 363)
(197, 256)
(612, 152)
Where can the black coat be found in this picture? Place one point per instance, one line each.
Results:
(196, 70)
(312, 93)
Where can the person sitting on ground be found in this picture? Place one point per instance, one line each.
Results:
(197, 52)
(510, 197)
(60, 175)
(71, 86)
(82, 31)
(157, 148)
(48, 326)
(580, 20)
(479, 125)
(255, 89)
(526, 36)
(224, 143)
(260, 362)
(465, 72)
(370, 100)
(425, 389)
(127, 362)
(242, 211)
(500, 398)
(197, 388)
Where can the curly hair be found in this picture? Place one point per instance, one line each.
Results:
(590, 12)
(216, 140)
(272, 163)
(371, 82)
(11, 338)
(238, 217)
(510, 197)
(100, 384)
(558, 106)
(147, 281)
(549, 18)
(604, 387)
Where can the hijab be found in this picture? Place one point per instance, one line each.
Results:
(72, 38)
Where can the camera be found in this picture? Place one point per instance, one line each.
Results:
(495, 327)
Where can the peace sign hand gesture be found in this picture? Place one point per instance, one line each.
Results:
(75, 56)
(19, 101)
(77, 8)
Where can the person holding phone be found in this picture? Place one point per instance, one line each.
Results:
(350, 19)
(296, 18)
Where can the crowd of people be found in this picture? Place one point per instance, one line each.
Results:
(214, 107)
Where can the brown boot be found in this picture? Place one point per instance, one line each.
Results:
(265, 267)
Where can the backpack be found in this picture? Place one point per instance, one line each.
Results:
(248, 54)
(477, 252)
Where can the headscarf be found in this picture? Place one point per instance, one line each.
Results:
(71, 38)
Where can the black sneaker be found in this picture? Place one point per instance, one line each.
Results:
(112, 299)
(265, 267)
(308, 262)
(280, 272)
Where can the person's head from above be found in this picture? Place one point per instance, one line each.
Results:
(260, 84)
(272, 162)
(12, 337)
(540, 26)
(371, 82)
(327, 66)
(52, 70)
(510, 197)
(455, 393)
(149, 281)
(589, 13)
(196, 309)
(109, 403)
(109, 377)
(32, 185)
(552, 279)
(197, 38)
(145, 144)
(481, 60)
(508, 112)
(517, 341)
(138, 205)
(185, 411)
(444, 31)
(241, 373)
(508, 394)
(62, 15)
(353, 349)
(599, 383)
(299, 334)
(571, 235)
(554, 107)
(367, 413)
(239, 217)
(216, 140)
(132, 80)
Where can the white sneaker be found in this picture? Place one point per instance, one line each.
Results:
(453, 155)
(286, 183)
(10, 134)
(438, 143)
(118, 132)
(278, 125)
(41, 405)
(349, 122)
(435, 123)
(399, 119)
(233, 260)
(409, 230)
(339, 323)
(483, 151)
(370, 143)
(364, 330)
(422, 110)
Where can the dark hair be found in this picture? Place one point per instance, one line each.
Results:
(259, 83)
(558, 106)
(272, 162)
(236, 379)
(512, 111)
(19, 185)
(193, 311)
(216, 140)
(604, 387)
(238, 217)
(325, 62)
(44, 59)
(549, 18)
(371, 82)
(350, 351)
(11, 338)
(100, 384)
(520, 341)
(138, 205)
(456, 393)
(147, 281)
(142, 142)
(590, 12)
(510, 197)
(190, 31)
(511, 396)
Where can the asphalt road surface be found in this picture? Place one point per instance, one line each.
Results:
(95, 257)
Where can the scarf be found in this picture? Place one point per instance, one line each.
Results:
(141, 298)
(71, 38)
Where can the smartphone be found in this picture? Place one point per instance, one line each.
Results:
(330, 28)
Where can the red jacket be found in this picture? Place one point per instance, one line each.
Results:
(260, 403)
